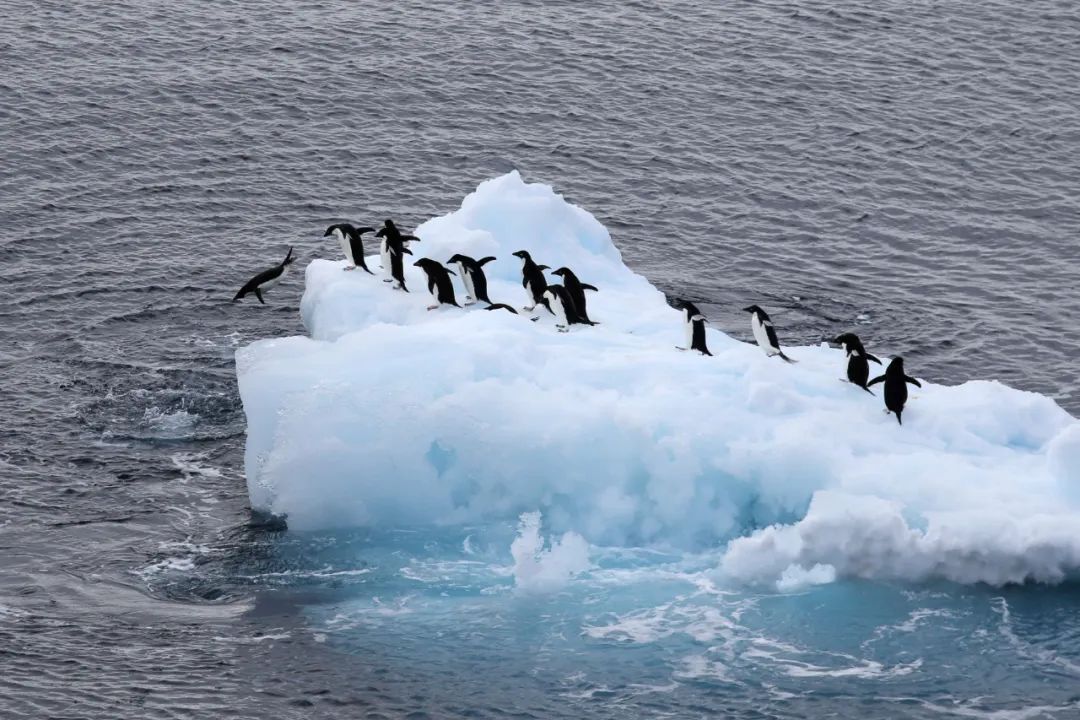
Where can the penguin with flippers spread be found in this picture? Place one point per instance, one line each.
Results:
(896, 382)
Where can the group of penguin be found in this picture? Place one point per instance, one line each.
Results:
(567, 301)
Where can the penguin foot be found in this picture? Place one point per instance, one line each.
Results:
(386, 280)
(432, 307)
(529, 308)
(562, 328)
(349, 268)
(681, 349)
(533, 319)
(470, 301)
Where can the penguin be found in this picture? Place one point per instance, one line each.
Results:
(351, 244)
(472, 277)
(858, 368)
(532, 279)
(895, 386)
(695, 329)
(501, 306)
(266, 279)
(389, 234)
(577, 289)
(559, 303)
(764, 333)
(397, 250)
(438, 282)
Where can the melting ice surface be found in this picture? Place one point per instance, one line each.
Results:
(727, 513)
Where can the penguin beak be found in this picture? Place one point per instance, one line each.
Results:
(328, 233)
(748, 309)
(416, 264)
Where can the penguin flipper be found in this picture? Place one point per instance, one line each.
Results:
(871, 357)
(544, 267)
(879, 378)
(913, 381)
(258, 294)
(484, 260)
(587, 286)
(501, 306)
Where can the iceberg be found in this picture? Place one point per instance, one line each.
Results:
(391, 415)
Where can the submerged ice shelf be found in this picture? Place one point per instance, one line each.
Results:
(391, 415)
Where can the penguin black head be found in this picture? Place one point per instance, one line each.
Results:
(847, 341)
(754, 309)
(345, 229)
(561, 272)
(425, 263)
(457, 258)
(523, 254)
(896, 366)
(691, 310)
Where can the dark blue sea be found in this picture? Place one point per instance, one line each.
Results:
(908, 168)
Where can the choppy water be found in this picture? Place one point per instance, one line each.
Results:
(908, 167)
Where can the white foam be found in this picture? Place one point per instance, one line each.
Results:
(540, 566)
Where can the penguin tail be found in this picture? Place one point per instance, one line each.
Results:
(867, 390)
(705, 351)
(786, 359)
(898, 420)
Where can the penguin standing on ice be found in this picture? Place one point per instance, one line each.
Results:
(266, 279)
(351, 244)
(577, 289)
(559, 303)
(397, 251)
(764, 333)
(858, 367)
(895, 387)
(532, 279)
(695, 329)
(390, 235)
(472, 277)
(439, 285)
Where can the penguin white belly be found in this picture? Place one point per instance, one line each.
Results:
(761, 336)
(559, 310)
(384, 256)
(530, 301)
(346, 248)
(689, 334)
(466, 280)
(274, 281)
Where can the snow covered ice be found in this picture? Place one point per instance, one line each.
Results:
(390, 415)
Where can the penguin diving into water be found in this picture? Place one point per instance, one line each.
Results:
(695, 328)
(532, 279)
(895, 386)
(577, 289)
(472, 277)
(439, 285)
(764, 333)
(391, 235)
(266, 279)
(858, 368)
(351, 244)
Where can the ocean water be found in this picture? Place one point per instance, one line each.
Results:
(909, 170)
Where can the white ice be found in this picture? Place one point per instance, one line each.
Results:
(391, 415)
